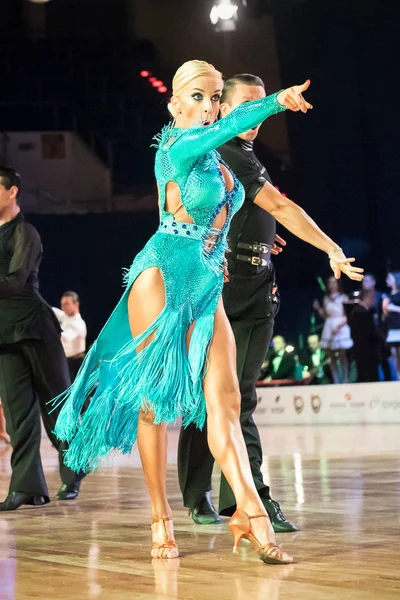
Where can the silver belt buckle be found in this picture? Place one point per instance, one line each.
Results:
(256, 261)
(260, 248)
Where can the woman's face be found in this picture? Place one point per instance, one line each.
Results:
(333, 285)
(197, 105)
(390, 280)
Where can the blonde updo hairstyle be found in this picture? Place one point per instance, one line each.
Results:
(185, 74)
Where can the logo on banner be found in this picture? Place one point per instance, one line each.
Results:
(278, 408)
(374, 402)
(298, 404)
(316, 403)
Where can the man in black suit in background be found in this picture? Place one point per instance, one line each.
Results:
(279, 364)
(316, 361)
(33, 366)
(367, 337)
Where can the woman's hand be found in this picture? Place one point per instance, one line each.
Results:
(316, 305)
(278, 249)
(293, 99)
(339, 264)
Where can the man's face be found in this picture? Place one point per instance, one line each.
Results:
(278, 343)
(368, 283)
(7, 197)
(69, 306)
(240, 94)
(313, 343)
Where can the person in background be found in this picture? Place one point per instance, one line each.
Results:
(281, 364)
(316, 362)
(367, 337)
(73, 337)
(391, 309)
(369, 283)
(336, 338)
(33, 367)
(4, 437)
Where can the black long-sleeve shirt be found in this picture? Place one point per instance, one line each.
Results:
(251, 223)
(22, 309)
(248, 293)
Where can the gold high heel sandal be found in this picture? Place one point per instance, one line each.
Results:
(240, 527)
(170, 545)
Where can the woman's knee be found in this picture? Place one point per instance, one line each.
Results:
(225, 402)
(146, 417)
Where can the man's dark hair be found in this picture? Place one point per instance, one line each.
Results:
(9, 177)
(71, 294)
(246, 78)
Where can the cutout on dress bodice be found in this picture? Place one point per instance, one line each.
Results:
(173, 203)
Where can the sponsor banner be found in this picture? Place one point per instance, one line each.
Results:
(326, 404)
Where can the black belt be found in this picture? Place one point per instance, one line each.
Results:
(260, 257)
(255, 247)
(256, 261)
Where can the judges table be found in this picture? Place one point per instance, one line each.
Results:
(296, 403)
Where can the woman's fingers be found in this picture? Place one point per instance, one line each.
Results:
(291, 103)
(305, 85)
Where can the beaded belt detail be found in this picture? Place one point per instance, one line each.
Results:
(189, 230)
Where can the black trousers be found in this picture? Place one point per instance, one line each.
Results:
(367, 366)
(195, 462)
(74, 364)
(32, 372)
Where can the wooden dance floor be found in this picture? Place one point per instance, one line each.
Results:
(339, 484)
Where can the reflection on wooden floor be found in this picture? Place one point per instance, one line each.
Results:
(339, 484)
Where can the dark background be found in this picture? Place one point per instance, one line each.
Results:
(344, 154)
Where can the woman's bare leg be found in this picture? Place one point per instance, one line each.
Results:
(225, 436)
(146, 301)
(345, 365)
(333, 365)
(3, 432)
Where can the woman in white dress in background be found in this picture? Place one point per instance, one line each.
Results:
(336, 338)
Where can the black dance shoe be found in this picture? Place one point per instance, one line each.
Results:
(278, 520)
(68, 492)
(16, 499)
(204, 513)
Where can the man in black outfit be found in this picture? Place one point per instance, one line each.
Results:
(367, 337)
(317, 362)
(280, 364)
(251, 303)
(33, 367)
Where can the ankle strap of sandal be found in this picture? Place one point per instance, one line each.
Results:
(161, 519)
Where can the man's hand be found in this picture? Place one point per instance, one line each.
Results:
(341, 264)
(278, 249)
(293, 99)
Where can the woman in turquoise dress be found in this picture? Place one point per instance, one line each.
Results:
(167, 350)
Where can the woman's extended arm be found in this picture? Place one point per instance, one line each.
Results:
(196, 141)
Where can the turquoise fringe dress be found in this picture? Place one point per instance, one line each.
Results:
(100, 410)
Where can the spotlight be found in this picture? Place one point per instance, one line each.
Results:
(152, 79)
(39, 1)
(162, 89)
(224, 16)
(289, 348)
(157, 84)
(145, 73)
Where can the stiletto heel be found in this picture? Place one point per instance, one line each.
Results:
(240, 527)
(167, 544)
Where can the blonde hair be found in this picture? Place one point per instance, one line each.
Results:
(186, 73)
